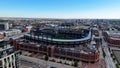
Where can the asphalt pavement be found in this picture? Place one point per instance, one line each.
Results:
(108, 58)
(31, 62)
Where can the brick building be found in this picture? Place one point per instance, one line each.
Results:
(83, 54)
(112, 37)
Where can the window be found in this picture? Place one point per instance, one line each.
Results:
(5, 63)
(0, 64)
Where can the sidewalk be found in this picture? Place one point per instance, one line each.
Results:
(44, 63)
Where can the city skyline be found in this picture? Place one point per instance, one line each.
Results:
(103, 9)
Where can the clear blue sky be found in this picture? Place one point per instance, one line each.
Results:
(60, 8)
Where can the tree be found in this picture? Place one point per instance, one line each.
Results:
(46, 58)
(103, 53)
(75, 63)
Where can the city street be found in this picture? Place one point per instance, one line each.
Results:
(108, 59)
(28, 62)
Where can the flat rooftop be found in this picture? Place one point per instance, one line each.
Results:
(114, 34)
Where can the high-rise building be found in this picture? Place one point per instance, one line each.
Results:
(9, 57)
(4, 25)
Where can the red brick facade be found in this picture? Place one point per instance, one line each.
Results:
(114, 42)
(56, 52)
